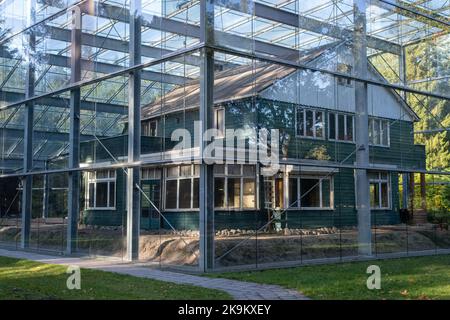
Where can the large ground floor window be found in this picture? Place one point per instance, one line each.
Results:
(101, 189)
(379, 190)
(182, 187)
(310, 192)
(235, 186)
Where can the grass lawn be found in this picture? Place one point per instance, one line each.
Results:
(406, 278)
(24, 279)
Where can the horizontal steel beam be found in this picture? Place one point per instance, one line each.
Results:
(14, 133)
(60, 102)
(101, 67)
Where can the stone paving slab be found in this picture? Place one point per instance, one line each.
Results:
(237, 289)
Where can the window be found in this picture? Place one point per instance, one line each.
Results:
(379, 190)
(219, 121)
(182, 187)
(340, 127)
(310, 192)
(347, 69)
(150, 128)
(379, 132)
(101, 189)
(310, 123)
(235, 186)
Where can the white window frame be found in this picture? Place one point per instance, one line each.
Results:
(240, 176)
(303, 109)
(191, 177)
(379, 181)
(112, 177)
(146, 128)
(298, 205)
(336, 126)
(380, 125)
(221, 131)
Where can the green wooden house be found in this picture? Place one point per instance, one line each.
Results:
(314, 114)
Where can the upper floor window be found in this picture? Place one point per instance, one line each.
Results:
(379, 132)
(347, 69)
(235, 186)
(219, 121)
(101, 189)
(310, 123)
(310, 192)
(379, 190)
(182, 186)
(340, 127)
(150, 128)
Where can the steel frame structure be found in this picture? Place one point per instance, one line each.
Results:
(201, 54)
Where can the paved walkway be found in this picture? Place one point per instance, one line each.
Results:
(238, 289)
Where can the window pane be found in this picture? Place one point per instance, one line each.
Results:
(249, 171)
(185, 193)
(374, 197)
(309, 193)
(153, 129)
(220, 121)
(371, 138)
(300, 120)
(376, 132)
(341, 127)
(332, 124)
(185, 171)
(326, 193)
(112, 194)
(219, 192)
(349, 128)
(195, 199)
(234, 192)
(172, 172)
(279, 193)
(309, 123)
(196, 170)
(293, 192)
(384, 195)
(219, 169)
(91, 195)
(171, 194)
(248, 200)
(102, 174)
(319, 124)
(101, 195)
(234, 169)
(384, 133)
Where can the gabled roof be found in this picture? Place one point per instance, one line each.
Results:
(232, 84)
(241, 82)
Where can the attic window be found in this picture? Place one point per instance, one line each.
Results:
(347, 69)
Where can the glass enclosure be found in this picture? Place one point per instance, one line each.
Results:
(220, 134)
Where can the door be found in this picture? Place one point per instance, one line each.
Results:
(150, 217)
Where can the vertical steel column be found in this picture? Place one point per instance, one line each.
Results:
(362, 129)
(206, 192)
(45, 195)
(27, 181)
(73, 198)
(134, 133)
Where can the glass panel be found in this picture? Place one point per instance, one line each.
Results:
(349, 128)
(249, 193)
(185, 193)
(195, 191)
(293, 192)
(171, 194)
(309, 123)
(341, 127)
(101, 195)
(332, 126)
(234, 192)
(310, 193)
(319, 124)
(300, 122)
(219, 192)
